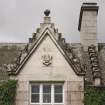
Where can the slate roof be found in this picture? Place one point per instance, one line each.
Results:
(84, 58)
(76, 48)
(8, 55)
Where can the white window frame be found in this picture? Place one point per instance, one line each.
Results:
(52, 93)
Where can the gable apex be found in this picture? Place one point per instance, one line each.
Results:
(47, 32)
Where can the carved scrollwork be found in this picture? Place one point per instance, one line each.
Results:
(94, 61)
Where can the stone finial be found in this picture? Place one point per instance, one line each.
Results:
(47, 12)
(47, 19)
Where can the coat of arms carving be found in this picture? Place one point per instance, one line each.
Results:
(47, 59)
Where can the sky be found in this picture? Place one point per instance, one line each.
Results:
(20, 18)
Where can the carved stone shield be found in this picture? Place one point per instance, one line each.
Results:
(47, 59)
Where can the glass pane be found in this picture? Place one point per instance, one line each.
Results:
(47, 98)
(35, 89)
(46, 88)
(58, 89)
(35, 98)
(58, 98)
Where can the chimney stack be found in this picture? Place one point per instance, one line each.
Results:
(88, 25)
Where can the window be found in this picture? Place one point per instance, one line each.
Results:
(35, 94)
(58, 93)
(46, 93)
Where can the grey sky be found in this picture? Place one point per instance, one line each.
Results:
(20, 18)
